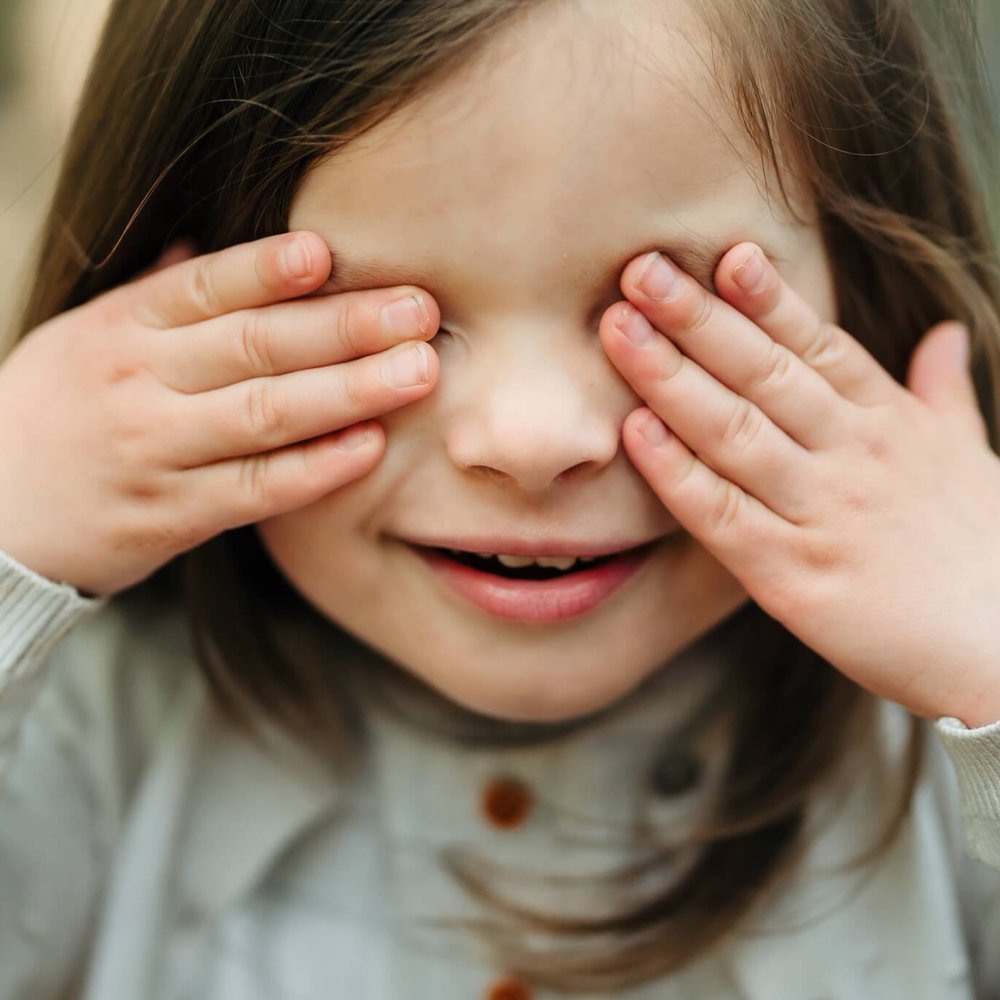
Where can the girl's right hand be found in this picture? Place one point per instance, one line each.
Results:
(137, 426)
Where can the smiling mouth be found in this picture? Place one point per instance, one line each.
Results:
(513, 568)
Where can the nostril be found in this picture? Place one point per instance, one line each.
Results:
(576, 471)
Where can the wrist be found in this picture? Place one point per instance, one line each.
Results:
(977, 711)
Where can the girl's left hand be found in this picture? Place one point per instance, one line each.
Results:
(861, 514)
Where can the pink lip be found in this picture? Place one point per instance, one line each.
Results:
(537, 600)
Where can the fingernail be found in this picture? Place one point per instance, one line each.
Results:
(296, 260)
(654, 431)
(658, 278)
(405, 317)
(751, 274)
(406, 367)
(354, 438)
(636, 327)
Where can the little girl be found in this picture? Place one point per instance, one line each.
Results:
(492, 493)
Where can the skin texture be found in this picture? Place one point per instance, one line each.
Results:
(521, 188)
(516, 193)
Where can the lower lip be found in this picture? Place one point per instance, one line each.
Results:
(538, 600)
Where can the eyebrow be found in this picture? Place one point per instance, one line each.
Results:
(697, 255)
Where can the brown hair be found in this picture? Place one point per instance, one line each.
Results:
(200, 118)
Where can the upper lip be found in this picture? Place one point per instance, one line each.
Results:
(554, 547)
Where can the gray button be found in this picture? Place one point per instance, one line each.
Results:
(675, 772)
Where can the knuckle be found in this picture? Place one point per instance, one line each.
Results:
(818, 556)
(685, 473)
(855, 500)
(103, 355)
(202, 288)
(700, 311)
(140, 490)
(670, 366)
(347, 328)
(725, 509)
(743, 426)
(132, 449)
(132, 433)
(266, 411)
(877, 443)
(120, 360)
(255, 483)
(353, 388)
(255, 343)
(152, 520)
(826, 347)
(775, 369)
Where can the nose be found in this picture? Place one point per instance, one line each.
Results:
(538, 417)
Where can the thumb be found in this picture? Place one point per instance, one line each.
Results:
(939, 375)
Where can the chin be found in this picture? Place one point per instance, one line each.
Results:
(548, 695)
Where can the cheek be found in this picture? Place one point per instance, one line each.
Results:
(307, 542)
(807, 270)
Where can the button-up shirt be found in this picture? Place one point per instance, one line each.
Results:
(150, 850)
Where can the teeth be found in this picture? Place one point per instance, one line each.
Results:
(557, 563)
(520, 562)
(561, 563)
(517, 562)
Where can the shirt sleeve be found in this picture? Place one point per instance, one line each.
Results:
(35, 614)
(49, 870)
(975, 756)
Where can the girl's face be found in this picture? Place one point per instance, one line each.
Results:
(585, 134)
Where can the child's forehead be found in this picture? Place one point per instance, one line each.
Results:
(582, 137)
(636, 77)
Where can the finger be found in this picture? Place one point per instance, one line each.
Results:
(292, 336)
(750, 283)
(736, 351)
(264, 414)
(939, 375)
(733, 526)
(245, 490)
(176, 253)
(241, 277)
(727, 432)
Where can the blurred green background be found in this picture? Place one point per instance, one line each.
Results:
(44, 48)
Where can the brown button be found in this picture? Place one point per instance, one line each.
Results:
(509, 989)
(507, 802)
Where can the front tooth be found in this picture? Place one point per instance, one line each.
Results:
(485, 555)
(557, 563)
(516, 562)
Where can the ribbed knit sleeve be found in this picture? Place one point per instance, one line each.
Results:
(35, 614)
(976, 756)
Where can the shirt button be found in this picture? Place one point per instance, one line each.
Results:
(675, 773)
(509, 989)
(507, 802)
